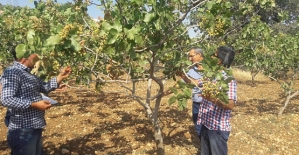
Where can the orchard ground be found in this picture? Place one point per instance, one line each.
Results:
(109, 122)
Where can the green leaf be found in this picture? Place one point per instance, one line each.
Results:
(32, 48)
(53, 40)
(18, 37)
(228, 79)
(228, 5)
(190, 85)
(59, 27)
(139, 40)
(175, 91)
(180, 96)
(112, 37)
(223, 97)
(171, 100)
(158, 24)
(38, 41)
(187, 93)
(21, 51)
(180, 106)
(117, 25)
(149, 17)
(129, 34)
(106, 26)
(109, 51)
(76, 45)
(210, 74)
(210, 5)
(181, 84)
(224, 86)
(44, 50)
(68, 11)
(30, 35)
(132, 53)
(184, 103)
(1, 57)
(218, 76)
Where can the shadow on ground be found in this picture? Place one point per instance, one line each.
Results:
(171, 119)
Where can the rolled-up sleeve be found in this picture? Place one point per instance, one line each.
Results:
(49, 86)
(232, 92)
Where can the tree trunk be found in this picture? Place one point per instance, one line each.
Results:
(253, 75)
(286, 102)
(159, 139)
(157, 130)
(153, 116)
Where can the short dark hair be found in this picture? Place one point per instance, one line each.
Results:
(197, 50)
(226, 54)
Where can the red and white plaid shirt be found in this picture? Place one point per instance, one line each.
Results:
(214, 117)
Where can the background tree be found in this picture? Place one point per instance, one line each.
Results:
(257, 36)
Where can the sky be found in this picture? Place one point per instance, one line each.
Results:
(93, 11)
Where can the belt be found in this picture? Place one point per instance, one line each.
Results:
(196, 102)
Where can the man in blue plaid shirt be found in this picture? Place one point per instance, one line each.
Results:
(21, 94)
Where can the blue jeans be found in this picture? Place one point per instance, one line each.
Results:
(195, 110)
(213, 142)
(25, 141)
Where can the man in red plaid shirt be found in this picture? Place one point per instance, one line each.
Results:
(214, 115)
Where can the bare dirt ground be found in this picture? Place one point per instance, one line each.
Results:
(111, 123)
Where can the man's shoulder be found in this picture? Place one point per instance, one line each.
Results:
(194, 72)
(11, 70)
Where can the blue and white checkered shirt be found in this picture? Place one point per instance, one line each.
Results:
(20, 89)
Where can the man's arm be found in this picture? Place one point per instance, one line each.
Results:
(55, 82)
(232, 97)
(47, 87)
(187, 78)
(219, 103)
(10, 84)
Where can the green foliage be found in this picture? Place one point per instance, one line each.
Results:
(56, 32)
(133, 35)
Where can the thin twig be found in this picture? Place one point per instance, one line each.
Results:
(86, 23)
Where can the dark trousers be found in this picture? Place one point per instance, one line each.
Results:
(25, 141)
(15, 139)
(7, 117)
(214, 142)
(195, 110)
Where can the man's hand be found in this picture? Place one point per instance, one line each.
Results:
(61, 87)
(209, 98)
(64, 73)
(41, 105)
(219, 103)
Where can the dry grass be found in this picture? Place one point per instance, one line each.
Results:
(242, 75)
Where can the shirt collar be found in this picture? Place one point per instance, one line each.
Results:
(21, 66)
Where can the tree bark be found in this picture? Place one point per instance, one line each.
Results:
(153, 115)
(286, 102)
